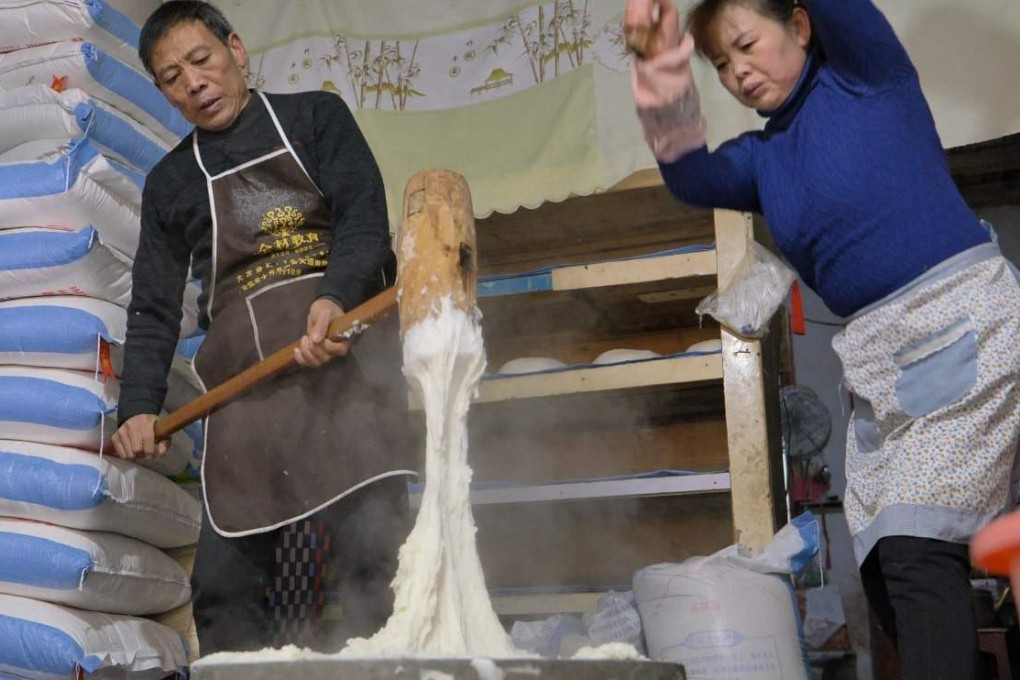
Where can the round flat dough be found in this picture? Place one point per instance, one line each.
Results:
(615, 356)
(706, 346)
(530, 365)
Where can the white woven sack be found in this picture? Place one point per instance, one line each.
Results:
(24, 23)
(39, 112)
(58, 331)
(31, 151)
(39, 262)
(51, 151)
(45, 641)
(84, 66)
(82, 490)
(78, 188)
(92, 570)
(57, 406)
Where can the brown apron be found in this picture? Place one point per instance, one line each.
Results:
(305, 439)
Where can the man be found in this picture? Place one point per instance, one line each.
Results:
(276, 204)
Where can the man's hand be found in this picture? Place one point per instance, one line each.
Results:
(315, 349)
(136, 438)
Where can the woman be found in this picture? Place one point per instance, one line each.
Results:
(850, 173)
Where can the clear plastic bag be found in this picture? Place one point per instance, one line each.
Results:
(746, 301)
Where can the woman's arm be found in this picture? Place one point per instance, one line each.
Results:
(859, 43)
(724, 178)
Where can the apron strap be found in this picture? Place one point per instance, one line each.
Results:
(279, 131)
(198, 154)
(284, 138)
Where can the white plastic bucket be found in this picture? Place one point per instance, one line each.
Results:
(721, 621)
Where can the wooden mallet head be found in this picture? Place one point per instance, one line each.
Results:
(436, 254)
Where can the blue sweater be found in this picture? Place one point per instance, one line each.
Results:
(849, 171)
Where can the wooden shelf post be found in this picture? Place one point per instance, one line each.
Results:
(746, 433)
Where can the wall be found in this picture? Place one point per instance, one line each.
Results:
(1006, 220)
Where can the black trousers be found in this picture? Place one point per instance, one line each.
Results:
(919, 589)
(233, 578)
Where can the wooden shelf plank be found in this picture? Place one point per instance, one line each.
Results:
(673, 268)
(718, 482)
(693, 369)
(546, 604)
(675, 370)
(622, 272)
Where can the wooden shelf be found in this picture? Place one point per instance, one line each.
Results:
(546, 604)
(575, 326)
(694, 369)
(676, 485)
(673, 267)
(606, 226)
(574, 313)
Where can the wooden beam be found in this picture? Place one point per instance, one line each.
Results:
(643, 270)
(746, 431)
(988, 173)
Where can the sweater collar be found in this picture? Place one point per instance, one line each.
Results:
(249, 115)
(787, 111)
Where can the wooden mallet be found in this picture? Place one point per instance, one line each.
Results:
(640, 35)
(435, 257)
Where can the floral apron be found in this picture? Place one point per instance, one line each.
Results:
(933, 373)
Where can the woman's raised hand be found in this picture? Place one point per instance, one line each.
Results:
(651, 27)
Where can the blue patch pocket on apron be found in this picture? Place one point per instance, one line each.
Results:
(938, 370)
(865, 427)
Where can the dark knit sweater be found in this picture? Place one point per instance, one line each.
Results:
(176, 227)
(849, 172)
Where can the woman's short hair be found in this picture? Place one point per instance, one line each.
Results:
(701, 16)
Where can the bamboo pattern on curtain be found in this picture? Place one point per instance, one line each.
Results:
(527, 48)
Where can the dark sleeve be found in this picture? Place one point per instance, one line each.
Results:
(724, 178)
(350, 180)
(154, 315)
(859, 43)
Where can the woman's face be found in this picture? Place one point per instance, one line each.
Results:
(759, 60)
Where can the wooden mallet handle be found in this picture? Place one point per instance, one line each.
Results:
(640, 39)
(365, 314)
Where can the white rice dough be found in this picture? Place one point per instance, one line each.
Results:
(615, 356)
(441, 606)
(530, 365)
(714, 345)
(441, 603)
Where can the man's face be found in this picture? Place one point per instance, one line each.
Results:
(200, 76)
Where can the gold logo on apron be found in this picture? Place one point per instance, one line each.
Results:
(286, 250)
(282, 221)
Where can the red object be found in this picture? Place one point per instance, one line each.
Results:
(105, 364)
(797, 311)
(59, 83)
(996, 548)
